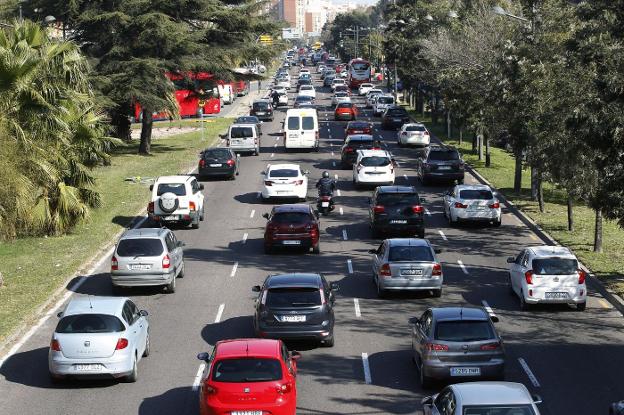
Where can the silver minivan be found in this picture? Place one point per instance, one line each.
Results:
(244, 138)
(147, 257)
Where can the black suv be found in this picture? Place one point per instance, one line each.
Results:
(295, 306)
(394, 117)
(440, 163)
(262, 109)
(396, 210)
(353, 143)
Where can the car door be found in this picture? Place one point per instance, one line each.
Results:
(378, 258)
(133, 334)
(515, 271)
(179, 253)
(141, 326)
(422, 333)
(449, 200)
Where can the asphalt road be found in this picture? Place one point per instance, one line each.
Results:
(571, 359)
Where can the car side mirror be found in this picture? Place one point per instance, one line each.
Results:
(151, 187)
(144, 313)
(204, 356)
(295, 355)
(201, 187)
(256, 289)
(59, 314)
(428, 401)
(335, 286)
(265, 215)
(536, 399)
(438, 250)
(494, 318)
(511, 260)
(262, 173)
(372, 251)
(414, 321)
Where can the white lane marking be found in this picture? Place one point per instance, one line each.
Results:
(338, 192)
(341, 211)
(529, 373)
(219, 313)
(350, 266)
(367, 373)
(332, 153)
(245, 236)
(253, 212)
(272, 154)
(427, 212)
(356, 303)
(488, 308)
(198, 377)
(405, 177)
(234, 268)
(462, 266)
(443, 235)
(344, 235)
(336, 176)
(275, 145)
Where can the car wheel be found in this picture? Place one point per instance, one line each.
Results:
(201, 217)
(452, 223)
(146, 352)
(425, 381)
(498, 222)
(256, 152)
(317, 248)
(134, 375)
(524, 306)
(460, 181)
(437, 293)
(581, 306)
(381, 293)
(511, 290)
(195, 224)
(181, 273)
(171, 287)
(329, 342)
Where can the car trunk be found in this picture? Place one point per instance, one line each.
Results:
(138, 265)
(87, 345)
(284, 184)
(468, 341)
(247, 393)
(411, 270)
(467, 352)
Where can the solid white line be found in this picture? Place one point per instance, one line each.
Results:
(219, 313)
(344, 235)
(198, 377)
(427, 212)
(336, 176)
(234, 268)
(253, 212)
(356, 302)
(367, 374)
(462, 266)
(443, 235)
(350, 266)
(529, 373)
(341, 211)
(338, 192)
(245, 236)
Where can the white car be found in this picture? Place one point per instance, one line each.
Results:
(336, 82)
(364, 88)
(99, 336)
(320, 69)
(283, 83)
(471, 203)
(283, 94)
(344, 74)
(177, 199)
(340, 97)
(413, 134)
(547, 274)
(284, 181)
(373, 167)
(382, 104)
(307, 90)
(369, 96)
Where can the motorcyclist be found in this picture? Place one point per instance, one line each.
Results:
(275, 97)
(326, 185)
(377, 145)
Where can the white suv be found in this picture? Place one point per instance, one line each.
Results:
(547, 274)
(373, 167)
(382, 104)
(177, 199)
(472, 203)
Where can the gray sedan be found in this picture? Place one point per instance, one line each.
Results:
(406, 264)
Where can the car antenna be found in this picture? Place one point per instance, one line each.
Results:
(90, 305)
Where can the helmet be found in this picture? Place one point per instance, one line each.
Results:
(326, 174)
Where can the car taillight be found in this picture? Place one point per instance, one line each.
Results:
(459, 205)
(404, 133)
(230, 162)
(55, 345)
(191, 205)
(121, 344)
(150, 207)
(209, 390)
(433, 347)
(114, 264)
(284, 388)
(268, 183)
(325, 198)
(582, 275)
(417, 209)
(490, 346)
(166, 262)
(379, 209)
(427, 133)
(348, 150)
(384, 271)
(202, 163)
(528, 276)
(437, 270)
(318, 135)
(298, 182)
(495, 205)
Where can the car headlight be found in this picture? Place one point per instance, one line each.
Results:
(325, 323)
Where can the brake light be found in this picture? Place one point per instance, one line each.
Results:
(528, 276)
(230, 162)
(325, 198)
(166, 262)
(459, 205)
(417, 209)
(268, 183)
(433, 347)
(114, 264)
(191, 205)
(55, 345)
(437, 270)
(495, 205)
(490, 346)
(121, 344)
(384, 271)
(582, 275)
(379, 209)
(298, 182)
(202, 163)
(285, 388)
(209, 390)
(318, 135)
(348, 150)
(426, 132)
(150, 207)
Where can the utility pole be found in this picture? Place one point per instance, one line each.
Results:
(357, 40)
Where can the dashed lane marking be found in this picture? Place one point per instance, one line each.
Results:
(253, 212)
(345, 237)
(427, 212)
(338, 192)
(462, 266)
(333, 164)
(341, 211)
(405, 177)
(272, 154)
(350, 266)
(219, 313)
(234, 268)
(245, 236)
(336, 176)
(198, 377)
(367, 373)
(443, 235)
(356, 303)
(529, 373)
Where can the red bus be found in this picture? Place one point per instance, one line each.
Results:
(359, 72)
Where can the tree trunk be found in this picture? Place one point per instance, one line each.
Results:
(480, 143)
(598, 232)
(146, 132)
(488, 155)
(518, 171)
(121, 126)
(570, 213)
(534, 174)
(540, 194)
(420, 103)
(434, 111)
(448, 124)
(461, 135)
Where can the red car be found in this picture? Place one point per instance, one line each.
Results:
(292, 226)
(359, 127)
(345, 111)
(250, 376)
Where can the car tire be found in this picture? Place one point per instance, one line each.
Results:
(329, 342)
(460, 181)
(452, 223)
(524, 306)
(437, 293)
(581, 306)
(181, 273)
(168, 202)
(316, 249)
(134, 375)
(171, 287)
(201, 217)
(425, 381)
(146, 352)
(498, 223)
(511, 290)
(195, 224)
(256, 152)
(381, 293)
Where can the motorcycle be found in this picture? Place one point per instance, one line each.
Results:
(325, 204)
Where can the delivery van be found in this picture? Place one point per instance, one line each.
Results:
(301, 129)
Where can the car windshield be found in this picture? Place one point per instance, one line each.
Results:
(133, 247)
(293, 297)
(358, 124)
(307, 88)
(410, 253)
(261, 105)
(308, 123)
(247, 370)
(341, 94)
(476, 194)
(177, 189)
(443, 155)
(295, 218)
(241, 132)
(278, 173)
(250, 120)
(498, 410)
(293, 123)
(366, 86)
(361, 143)
(555, 266)
(396, 199)
(385, 100)
(415, 128)
(375, 161)
(463, 331)
(89, 323)
(217, 153)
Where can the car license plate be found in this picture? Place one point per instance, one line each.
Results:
(396, 119)
(291, 242)
(398, 221)
(293, 319)
(136, 267)
(411, 272)
(246, 412)
(172, 217)
(324, 204)
(88, 368)
(465, 371)
(216, 165)
(260, 113)
(553, 296)
(358, 132)
(444, 167)
(235, 141)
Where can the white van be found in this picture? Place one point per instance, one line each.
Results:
(243, 138)
(301, 129)
(226, 93)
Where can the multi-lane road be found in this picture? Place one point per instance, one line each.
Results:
(572, 359)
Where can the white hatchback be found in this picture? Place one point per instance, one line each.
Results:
(340, 97)
(337, 82)
(284, 83)
(364, 88)
(472, 203)
(307, 90)
(547, 274)
(373, 167)
(285, 181)
(413, 134)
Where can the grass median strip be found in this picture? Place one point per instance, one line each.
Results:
(33, 268)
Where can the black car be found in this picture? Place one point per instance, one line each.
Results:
(353, 143)
(262, 109)
(394, 117)
(295, 306)
(303, 99)
(328, 80)
(440, 163)
(396, 210)
(250, 119)
(303, 81)
(218, 161)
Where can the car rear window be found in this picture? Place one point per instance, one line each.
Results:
(260, 105)
(397, 113)
(89, 323)
(293, 297)
(375, 161)
(247, 370)
(307, 87)
(341, 94)
(443, 155)
(555, 266)
(241, 132)
(463, 331)
(293, 123)
(280, 173)
(415, 128)
(499, 410)
(359, 143)
(217, 153)
(296, 218)
(410, 253)
(385, 100)
(178, 189)
(139, 247)
(476, 194)
(394, 199)
(344, 105)
(357, 124)
(308, 123)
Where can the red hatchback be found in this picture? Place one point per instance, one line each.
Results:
(249, 376)
(345, 111)
(292, 226)
(358, 127)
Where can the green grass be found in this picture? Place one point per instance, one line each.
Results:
(33, 268)
(608, 265)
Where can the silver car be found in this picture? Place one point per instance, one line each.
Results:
(472, 203)
(99, 337)
(406, 264)
(147, 257)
